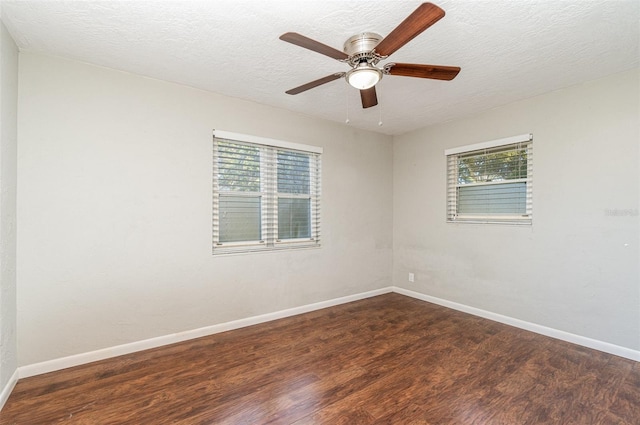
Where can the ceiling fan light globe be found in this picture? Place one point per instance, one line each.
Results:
(364, 78)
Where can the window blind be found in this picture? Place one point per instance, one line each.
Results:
(492, 184)
(265, 197)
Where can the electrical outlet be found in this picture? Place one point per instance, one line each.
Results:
(412, 277)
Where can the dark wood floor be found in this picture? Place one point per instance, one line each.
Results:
(385, 360)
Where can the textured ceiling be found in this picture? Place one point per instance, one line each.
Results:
(507, 49)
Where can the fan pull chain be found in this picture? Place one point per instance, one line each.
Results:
(347, 96)
(379, 108)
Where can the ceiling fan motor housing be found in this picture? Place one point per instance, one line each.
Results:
(359, 47)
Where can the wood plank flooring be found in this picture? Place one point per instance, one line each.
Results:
(384, 360)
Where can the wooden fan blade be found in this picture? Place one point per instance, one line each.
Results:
(422, 18)
(316, 83)
(436, 72)
(369, 97)
(316, 46)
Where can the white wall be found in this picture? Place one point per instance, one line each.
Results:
(114, 212)
(577, 268)
(8, 176)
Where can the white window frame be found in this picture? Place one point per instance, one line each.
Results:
(269, 195)
(452, 155)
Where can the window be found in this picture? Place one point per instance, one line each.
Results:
(491, 182)
(266, 194)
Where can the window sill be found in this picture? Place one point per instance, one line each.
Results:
(520, 222)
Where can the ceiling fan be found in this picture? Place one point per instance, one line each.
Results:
(363, 52)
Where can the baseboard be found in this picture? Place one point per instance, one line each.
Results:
(83, 358)
(6, 391)
(119, 350)
(543, 330)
